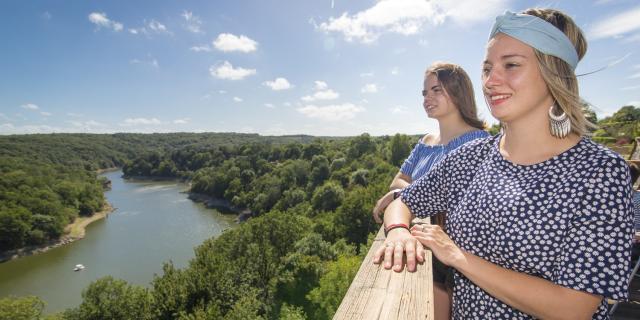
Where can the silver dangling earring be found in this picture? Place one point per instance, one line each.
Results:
(560, 126)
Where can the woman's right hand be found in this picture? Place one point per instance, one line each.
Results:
(382, 204)
(399, 242)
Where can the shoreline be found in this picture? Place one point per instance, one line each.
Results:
(222, 205)
(72, 232)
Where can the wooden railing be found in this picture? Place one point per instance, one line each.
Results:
(377, 293)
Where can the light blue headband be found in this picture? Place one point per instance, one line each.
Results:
(537, 33)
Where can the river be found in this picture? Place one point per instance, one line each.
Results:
(153, 222)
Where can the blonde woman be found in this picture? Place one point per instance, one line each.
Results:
(539, 221)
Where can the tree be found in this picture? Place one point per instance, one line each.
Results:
(320, 171)
(13, 228)
(333, 286)
(108, 298)
(399, 148)
(21, 308)
(359, 177)
(328, 197)
(361, 145)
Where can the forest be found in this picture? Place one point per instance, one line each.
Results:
(310, 198)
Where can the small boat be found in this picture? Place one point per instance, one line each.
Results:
(78, 267)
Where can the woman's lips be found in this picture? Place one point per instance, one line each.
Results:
(496, 99)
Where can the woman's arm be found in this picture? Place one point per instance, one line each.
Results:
(530, 294)
(399, 241)
(400, 181)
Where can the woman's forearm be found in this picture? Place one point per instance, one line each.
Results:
(530, 294)
(400, 181)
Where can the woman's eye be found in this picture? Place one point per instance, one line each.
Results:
(486, 70)
(512, 65)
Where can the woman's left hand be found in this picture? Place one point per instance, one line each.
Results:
(434, 238)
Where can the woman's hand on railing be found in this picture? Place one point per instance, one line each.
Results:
(398, 243)
(382, 204)
(434, 238)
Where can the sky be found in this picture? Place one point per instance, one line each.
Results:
(273, 67)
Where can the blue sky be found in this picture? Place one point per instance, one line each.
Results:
(317, 67)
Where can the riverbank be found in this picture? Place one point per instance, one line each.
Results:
(221, 205)
(72, 232)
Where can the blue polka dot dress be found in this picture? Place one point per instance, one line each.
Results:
(567, 220)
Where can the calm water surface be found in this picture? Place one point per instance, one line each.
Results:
(153, 222)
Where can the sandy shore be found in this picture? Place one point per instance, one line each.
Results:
(76, 230)
(72, 232)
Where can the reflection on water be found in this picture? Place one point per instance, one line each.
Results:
(153, 222)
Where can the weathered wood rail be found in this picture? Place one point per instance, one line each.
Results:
(377, 293)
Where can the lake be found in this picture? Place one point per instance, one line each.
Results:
(153, 222)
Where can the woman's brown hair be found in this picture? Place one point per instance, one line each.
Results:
(457, 84)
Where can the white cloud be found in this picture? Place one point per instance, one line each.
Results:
(73, 114)
(287, 104)
(630, 88)
(320, 85)
(395, 71)
(141, 121)
(194, 24)
(366, 74)
(407, 17)
(278, 84)
(46, 15)
(269, 105)
(181, 121)
(228, 72)
(157, 26)
(228, 42)
(222, 91)
(236, 99)
(322, 95)
(202, 48)
(46, 114)
(332, 112)
(100, 19)
(369, 88)
(4, 117)
(616, 25)
(29, 106)
(398, 110)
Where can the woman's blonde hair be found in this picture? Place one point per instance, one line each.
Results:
(457, 84)
(558, 75)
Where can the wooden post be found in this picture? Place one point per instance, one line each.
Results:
(377, 293)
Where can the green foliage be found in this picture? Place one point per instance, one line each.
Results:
(333, 286)
(38, 199)
(361, 145)
(399, 148)
(328, 197)
(359, 178)
(289, 312)
(22, 308)
(108, 298)
(621, 127)
(494, 129)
